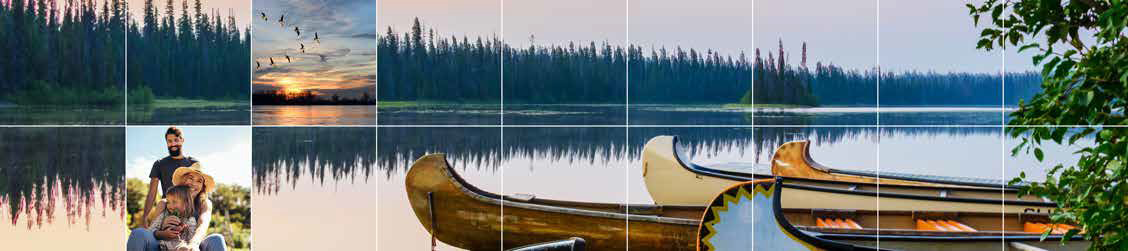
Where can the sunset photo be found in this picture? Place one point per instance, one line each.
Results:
(314, 62)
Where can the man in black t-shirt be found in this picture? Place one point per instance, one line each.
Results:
(164, 168)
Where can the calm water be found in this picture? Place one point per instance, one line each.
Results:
(649, 114)
(357, 185)
(314, 115)
(62, 115)
(55, 186)
(240, 115)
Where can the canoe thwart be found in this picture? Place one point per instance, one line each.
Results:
(570, 244)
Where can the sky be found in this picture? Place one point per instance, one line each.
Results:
(240, 9)
(224, 152)
(343, 63)
(900, 35)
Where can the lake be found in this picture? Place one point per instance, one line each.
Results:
(61, 115)
(58, 184)
(314, 115)
(671, 114)
(236, 115)
(324, 180)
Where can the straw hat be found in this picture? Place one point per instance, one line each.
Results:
(178, 176)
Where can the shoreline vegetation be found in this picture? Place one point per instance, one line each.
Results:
(423, 64)
(73, 55)
(307, 98)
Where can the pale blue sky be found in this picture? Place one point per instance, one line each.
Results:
(224, 152)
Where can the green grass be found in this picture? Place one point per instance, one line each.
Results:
(196, 103)
(766, 106)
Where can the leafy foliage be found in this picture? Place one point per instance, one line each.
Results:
(1084, 83)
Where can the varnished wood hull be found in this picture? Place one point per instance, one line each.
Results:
(466, 217)
(672, 180)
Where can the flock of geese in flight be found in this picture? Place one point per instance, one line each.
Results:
(297, 31)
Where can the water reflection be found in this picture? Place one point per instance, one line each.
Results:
(281, 155)
(61, 115)
(314, 114)
(236, 115)
(81, 167)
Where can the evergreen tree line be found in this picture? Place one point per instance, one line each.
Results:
(779, 82)
(418, 65)
(62, 52)
(197, 55)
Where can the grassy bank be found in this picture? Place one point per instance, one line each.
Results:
(41, 93)
(748, 106)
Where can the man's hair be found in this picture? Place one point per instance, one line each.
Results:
(172, 130)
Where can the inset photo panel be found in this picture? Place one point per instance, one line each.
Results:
(187, 62)
(315, 187)
(439, 62)
(314, 62)
(815, 65)
(690, 62)
(62, 183)
(188, 187)
(63, 66)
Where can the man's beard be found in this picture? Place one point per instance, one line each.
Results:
(175, 152)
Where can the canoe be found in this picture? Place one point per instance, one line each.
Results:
(759, 209)
(457, 213)
(461, 215)
(671, 179)
(570, 244)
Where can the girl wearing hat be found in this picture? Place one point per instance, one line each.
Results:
(199, 185)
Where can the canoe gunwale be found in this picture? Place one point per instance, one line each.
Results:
(504, 201)
(920, 197)
(827, 240)
(743, 177)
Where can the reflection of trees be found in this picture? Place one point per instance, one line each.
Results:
(481, 148)
(282, 154)
(79, 164)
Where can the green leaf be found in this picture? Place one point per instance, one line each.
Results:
(1038, 154)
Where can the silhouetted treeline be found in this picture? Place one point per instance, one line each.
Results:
(281, 155)
(80, 167)
(307, 97)
(190, 54)
(832, 85)
(421, 65)
(62, 55)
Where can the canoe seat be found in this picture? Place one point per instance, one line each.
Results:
(942, 225)
(1038, 227)
(644, 209)
(836, 223)
(522, 197)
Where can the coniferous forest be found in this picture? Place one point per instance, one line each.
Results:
(187, 53)
(423, 65)
(74, 53)
(62, 52)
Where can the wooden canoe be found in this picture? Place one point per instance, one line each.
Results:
(757, 214)
(459, 214)
(671, 179)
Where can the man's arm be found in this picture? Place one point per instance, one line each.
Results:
(153, 184)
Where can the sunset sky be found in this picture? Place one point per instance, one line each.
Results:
(344, 63)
